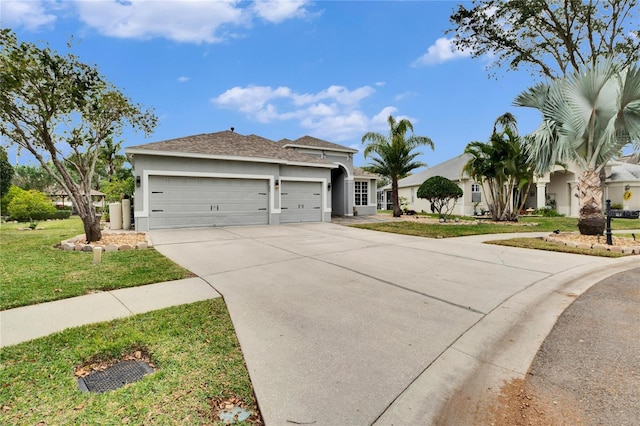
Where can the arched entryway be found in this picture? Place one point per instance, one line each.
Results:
(338, 192)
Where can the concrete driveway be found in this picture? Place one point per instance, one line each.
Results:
(343, 326)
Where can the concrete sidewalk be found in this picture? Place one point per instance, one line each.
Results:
(29, 322)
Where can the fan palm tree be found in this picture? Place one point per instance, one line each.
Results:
(394, 154)
(587, 118)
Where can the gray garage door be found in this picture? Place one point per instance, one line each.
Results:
(187, 202)
(301, 202)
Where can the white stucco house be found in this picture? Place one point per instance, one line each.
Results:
(226, 178)
(472, 198)
(554, 189)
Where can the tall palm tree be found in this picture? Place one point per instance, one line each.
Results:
(501, 166)
(587, 118)
(394, 154)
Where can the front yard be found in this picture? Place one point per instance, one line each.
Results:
(199, 366)
(33, 270)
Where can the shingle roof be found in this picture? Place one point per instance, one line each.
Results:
(228, 144)
(624, 172)
(358, 172)
(451, 169)
(311, 142)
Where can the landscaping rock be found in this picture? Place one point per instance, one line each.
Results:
(79, 247)
(125, 247)
(87, 248)
(111, 248)
(68, 247)
(141, 246)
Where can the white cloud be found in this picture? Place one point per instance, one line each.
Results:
(404, 95)
(277, 11)
(31, 15)
(443, 50)
(183, 79)
(184, 21)
(333, 113)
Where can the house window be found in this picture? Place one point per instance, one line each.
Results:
(412, 195)
(476, 194)
(362, 193)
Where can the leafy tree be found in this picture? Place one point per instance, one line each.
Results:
(441, 193)
(503, 168)
(6, 199)
(6, 172)
(587, 118)
(33, 177)
(30, 205)
(550, 37)
(62, 111)
(394, 154)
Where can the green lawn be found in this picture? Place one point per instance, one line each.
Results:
(193, 347)
(525, 224)
(32, 270)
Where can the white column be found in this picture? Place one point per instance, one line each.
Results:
(541, 194)
(574, 203)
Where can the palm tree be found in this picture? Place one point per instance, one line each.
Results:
(587, 118)
(394, 158)
(501, 166)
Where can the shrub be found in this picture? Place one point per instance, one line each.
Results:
(617, 206)
(441, 193)
(547, 212)
(30, 206)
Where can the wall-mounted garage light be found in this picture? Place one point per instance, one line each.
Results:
(627, 187)
(329, 186)
(137, 181)
(277, 184)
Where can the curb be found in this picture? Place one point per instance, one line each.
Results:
(466, 377)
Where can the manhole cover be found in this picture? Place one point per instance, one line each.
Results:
(114, 377)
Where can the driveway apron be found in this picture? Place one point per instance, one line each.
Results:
(335, 323)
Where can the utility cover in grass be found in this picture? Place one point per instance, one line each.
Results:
(114, 377)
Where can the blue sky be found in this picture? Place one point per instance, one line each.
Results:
(330, 69)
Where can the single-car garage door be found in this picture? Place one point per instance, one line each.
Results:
(301, 202)
(187, 202)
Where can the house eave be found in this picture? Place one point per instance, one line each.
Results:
(137, 151)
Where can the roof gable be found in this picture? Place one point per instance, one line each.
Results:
(311, 142)
(450, 169)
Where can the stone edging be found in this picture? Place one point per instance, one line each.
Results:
(597, 246)
(77, 244)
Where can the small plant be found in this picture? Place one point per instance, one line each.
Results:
(547, 212)
(33, 224)
(442, 193)
(617, 206)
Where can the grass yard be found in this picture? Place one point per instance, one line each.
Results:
(193, 348)
(525, 224)
(32, 270)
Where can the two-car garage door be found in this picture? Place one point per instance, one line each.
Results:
(187, 202)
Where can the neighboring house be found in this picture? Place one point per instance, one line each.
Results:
(555, 189)
(471, 201)
(225, 178)
(60, 198)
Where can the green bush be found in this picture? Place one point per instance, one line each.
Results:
(547, 212)
(617, 206)
(442, 193)
(30, 206)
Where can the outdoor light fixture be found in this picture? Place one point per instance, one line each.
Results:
(329, 186)
(627, 187)
(137, 181)
(277, 184)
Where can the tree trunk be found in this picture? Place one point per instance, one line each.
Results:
(589, 193)
(92, 228)
(397, 211)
